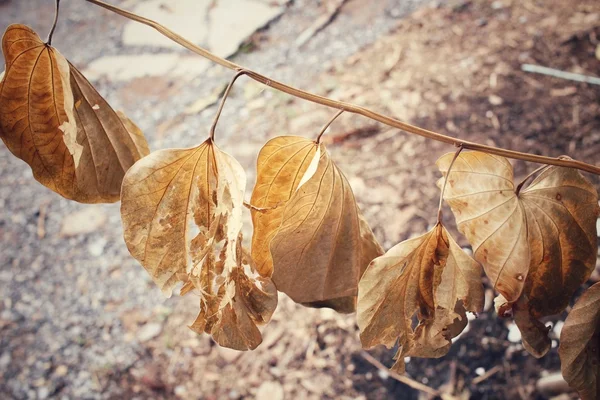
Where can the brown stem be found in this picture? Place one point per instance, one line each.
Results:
(520, 185)
(328, 124)
(56, 10)
(348, 106)
(223, 99)
(439, 215)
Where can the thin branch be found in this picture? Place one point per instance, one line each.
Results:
(349, 107)
(225, 95)
(400, 378)
(328, 124)
(439, 215)
(557, 73)
(56, 11)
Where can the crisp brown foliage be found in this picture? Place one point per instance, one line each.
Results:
(580, 345)
(322, 244)
(281, 165)
(429, 275)
(537, 246)
(53, 119)
(182, 217)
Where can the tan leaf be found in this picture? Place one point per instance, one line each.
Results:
(428, 275)
(480, 192)
(281, 165)
(579, 349)
(323, 244)
(53, 119)
(539, 245)
(534, 333)
(182, 218)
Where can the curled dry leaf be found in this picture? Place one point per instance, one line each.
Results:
(536, 247)
(282, 162)
(429, 275)
(52, 118)
(579, 349)
(182, 217)
(319, 242)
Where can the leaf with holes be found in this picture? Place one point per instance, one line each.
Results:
(579, 349)
(429, 275)
(182, 218)
(322, 244)
(539, 244)
(52, 118)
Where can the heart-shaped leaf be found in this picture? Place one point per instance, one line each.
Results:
(52, 118)
(282, 163)
(182, 218)
(537, 246)
(322, 244)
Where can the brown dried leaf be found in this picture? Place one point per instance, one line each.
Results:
(579, 349)
(323, 244)
(534, 333)
(182, 218)
(53, 119)
(537, 247)
(561, 207)
(282, 163)
(429, 275)
(480, 192)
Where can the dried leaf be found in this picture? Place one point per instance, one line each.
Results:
(561, 207)
(534, 333)
(182, 218)
(53, 119)
(579, 349)
(322, 244)
(429, 275)
(282, 163)
(539, 245)
(480, 192)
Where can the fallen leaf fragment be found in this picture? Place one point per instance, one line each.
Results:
(52, 118)
(430, 276)
(536, 247)
(319, 242)
(182, 218)
(579, 349)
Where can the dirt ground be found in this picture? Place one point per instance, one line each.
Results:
(79, 318)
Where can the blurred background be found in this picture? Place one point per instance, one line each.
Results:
(79, 318)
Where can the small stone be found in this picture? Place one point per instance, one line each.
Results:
(149, 331)
(270, 390)
(43, 393)
(96, 248)
(180, 391)
(5, 360)
(61, 370)
(86, 220)
(495, 100)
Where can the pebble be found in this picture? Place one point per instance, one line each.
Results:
(270, 390)
(86, 220)
(149, 331)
